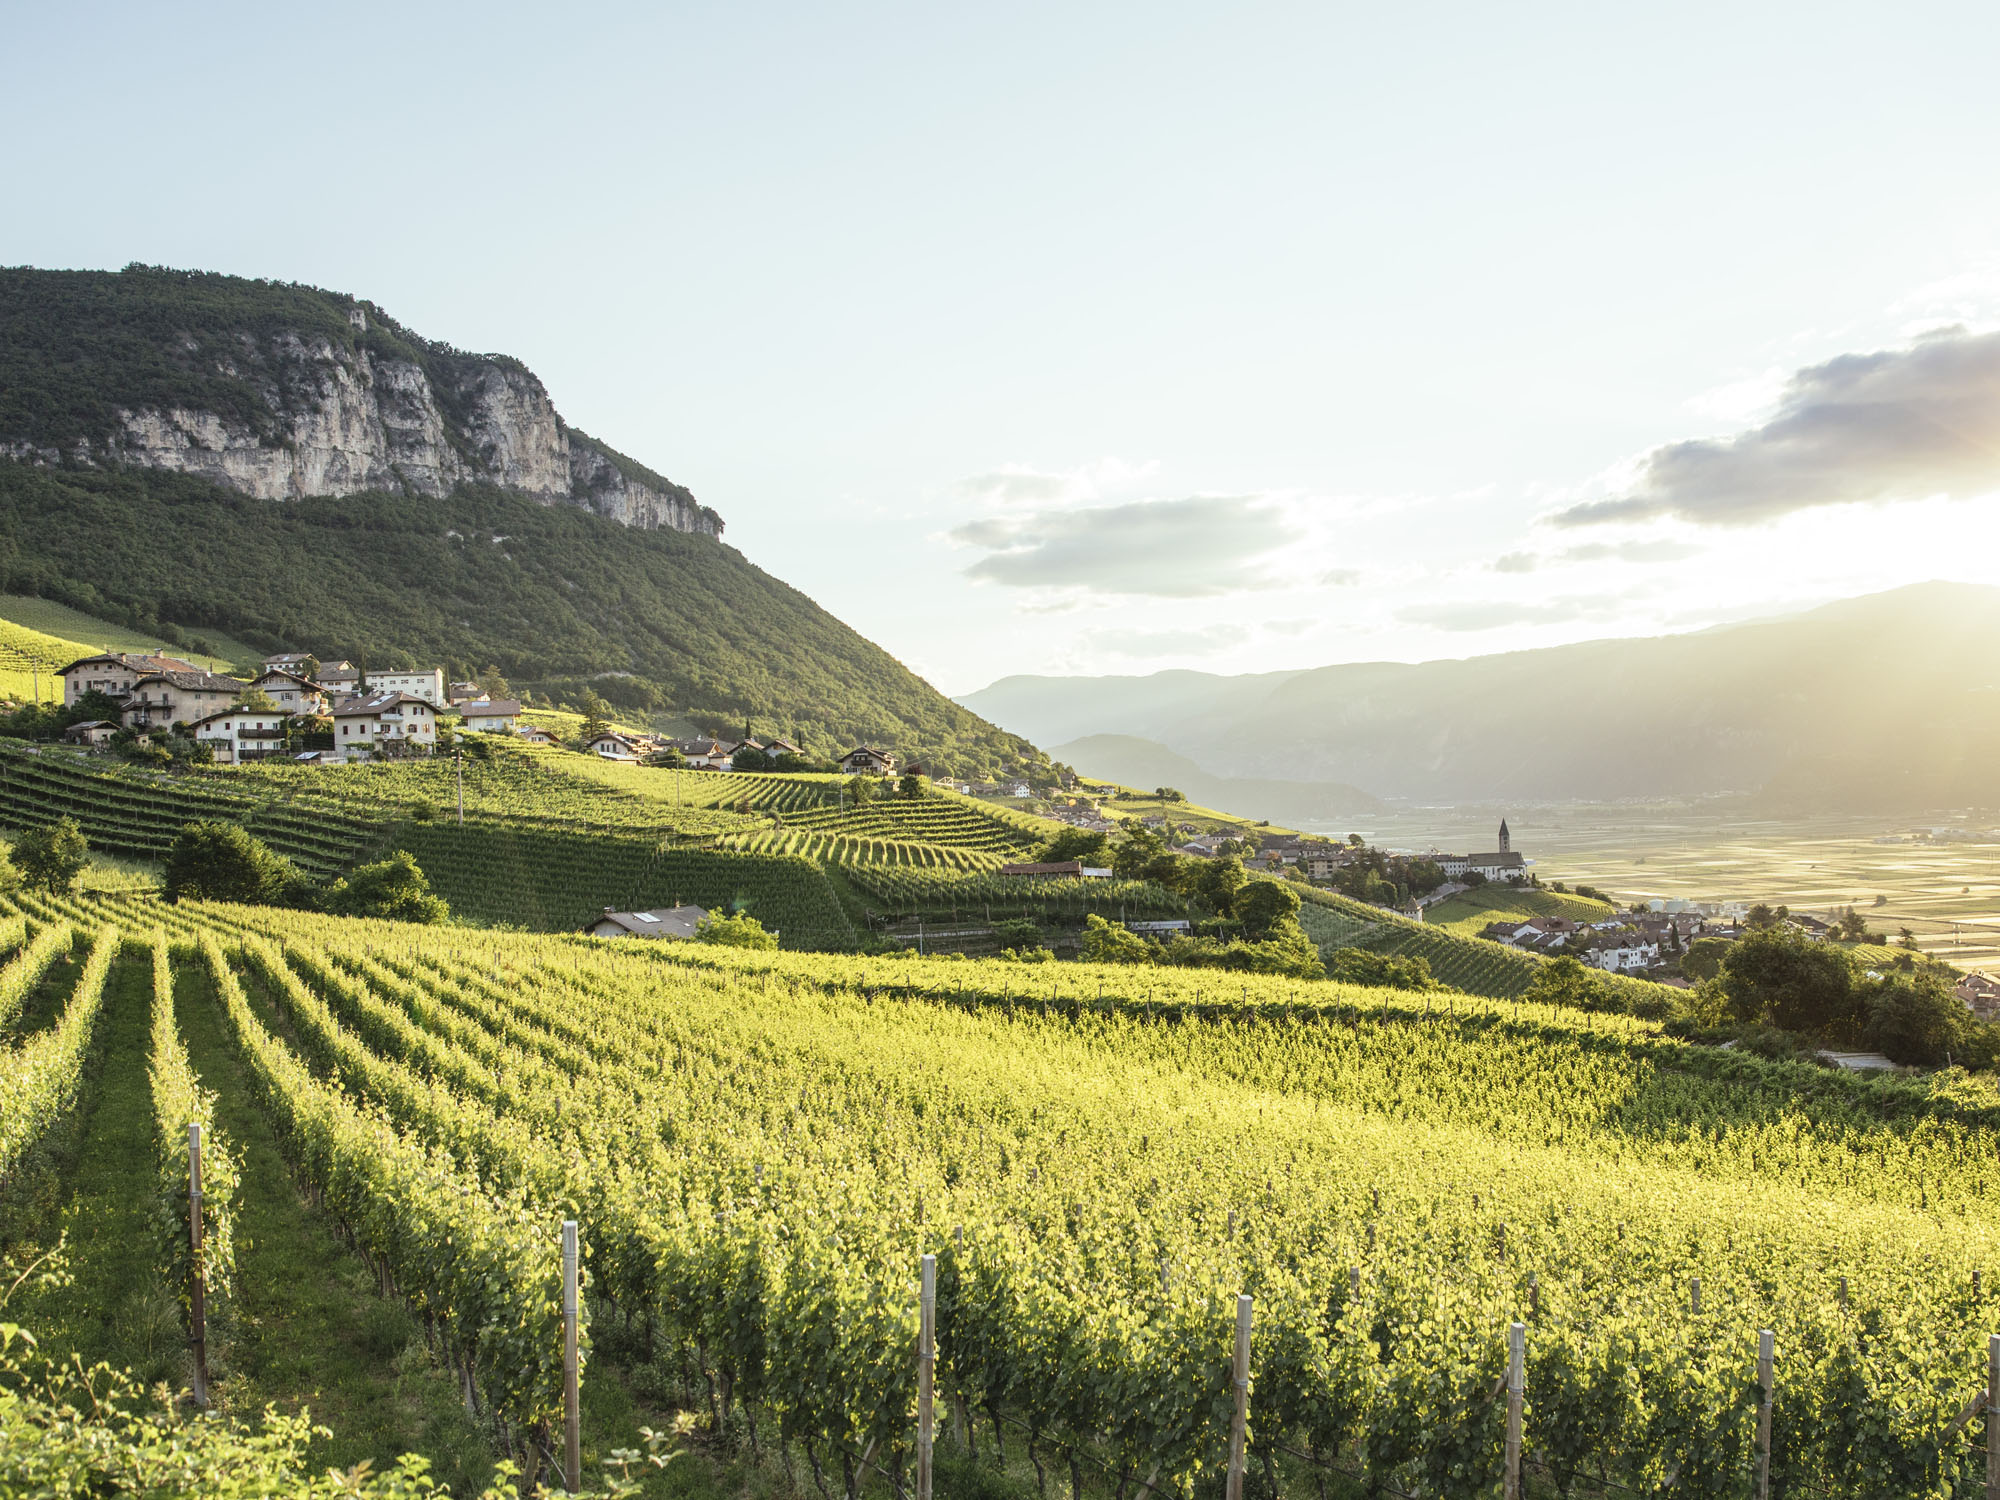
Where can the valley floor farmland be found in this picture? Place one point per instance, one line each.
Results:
(1947, 893)
(760, 1146)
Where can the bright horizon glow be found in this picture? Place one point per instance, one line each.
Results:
(1119, 339)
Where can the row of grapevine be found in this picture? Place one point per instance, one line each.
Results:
(480, 1265)
(954, 821)
(901, 889)
(40, 1078)
(179, 1100)
(25, 970)
(853, 849)
(762, 1144)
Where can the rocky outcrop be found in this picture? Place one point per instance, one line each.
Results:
(337, 418)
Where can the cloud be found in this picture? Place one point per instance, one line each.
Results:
(1340, 578)
(1020, 484)
(1490, 614)
(1170, 642)
(1642, 551)
(1897, 424)
(1168, 549)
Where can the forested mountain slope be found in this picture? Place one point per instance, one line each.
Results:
(199, 455)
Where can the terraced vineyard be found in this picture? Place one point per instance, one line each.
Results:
(137, 813)
(760, 1146)
(552, 881)
(945, 819)
(855, 849)
(904, 890)
(1471, 964)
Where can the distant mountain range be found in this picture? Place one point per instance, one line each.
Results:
(1884, 703)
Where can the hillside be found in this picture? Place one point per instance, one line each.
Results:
(280, 391)
(1135, 762)
(1883, 703)
(759, 1151)
(314, 476)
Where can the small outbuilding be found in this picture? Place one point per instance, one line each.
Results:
(663, 922)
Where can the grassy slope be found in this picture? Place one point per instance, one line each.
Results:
(1468, 912)
(1139, 802)
(74, 627)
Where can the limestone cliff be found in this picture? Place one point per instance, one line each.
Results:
(283, 392)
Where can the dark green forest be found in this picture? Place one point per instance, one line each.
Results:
(554, 596)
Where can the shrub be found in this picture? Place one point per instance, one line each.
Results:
(218, 861)
(52, 857)
(740, 930)
(394, 888)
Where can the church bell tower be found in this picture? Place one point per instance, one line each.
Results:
(1506, 839)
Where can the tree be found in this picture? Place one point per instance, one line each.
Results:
(596, 718)
(740, 930)
(1852, 927)
(1704, 957)
(51, 858)
(1092, 849)
(862, 789)
(1761, 916)
(1780, 977)
(1169, 794)
(1107, 943)
(1264, 905)
(1570, 982)
(1140, 848)
(1380, 971)
(1356, 841)
(255, 700)
(493, 685)
(218, 861)
(1915, 1018)
(1018, 932)
(395, 888)
(750, 758)
(1167, 870)
(1216, 883)
(914, 786)
(1906, 939)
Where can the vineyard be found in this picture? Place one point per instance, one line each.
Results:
(944, 819)
(905, 890)
(758, 1147)
(860, 849)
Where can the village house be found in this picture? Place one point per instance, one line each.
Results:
(339, 677)
(1622, 957)
(291, 692)
(96, 733)
(427, 684)
(160, 700)
(865, 760)
(466, 692)
(491, 715)
(535, 734)
(611, 745)
(385, 723)
(705, 754)
(662, 922)
(235, 736)
(113, 673)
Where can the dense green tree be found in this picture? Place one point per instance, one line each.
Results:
(1108, 943)
(1914, 1017)
(1760, 917)
(1568, 981)
(1703, 959)
(1216, 882)
(1265, 904)
(1018, 932)
(218, 861)
(914, 786)
(394, 888)
(596, 718)
(1380, 970)
(1778, 976)
(750, 758)
(51, 858)
(1092, 849)
(1139, 848)
(1168, 870)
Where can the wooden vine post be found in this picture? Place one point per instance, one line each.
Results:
(1766, 1380)
(572, 1396)
(1517, 1385)
(1239, 1427)
(1993, 1416)
(197, 1291)
(926, 1376)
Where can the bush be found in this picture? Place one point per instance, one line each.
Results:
(740, 930)
(218, 861)
(1381, 970)
(1264, 906)
(1915, 1018)
(51, 858)
(1018, 932)
(1108, 943)
(394, 888)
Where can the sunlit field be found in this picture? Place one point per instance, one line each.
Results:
(1948, 893)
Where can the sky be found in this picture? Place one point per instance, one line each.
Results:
(1110, 338)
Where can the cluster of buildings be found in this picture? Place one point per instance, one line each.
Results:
(710, 754)
(388, 714)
